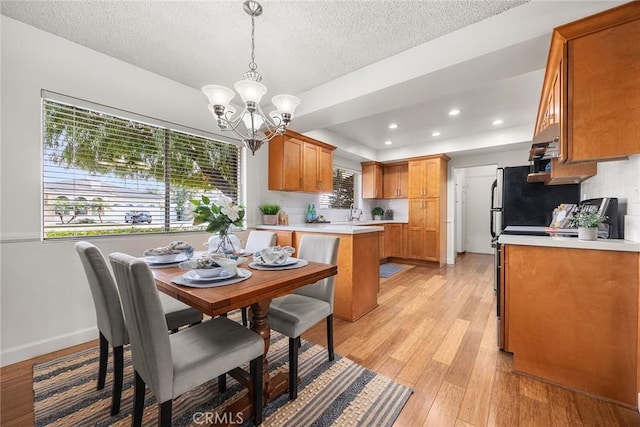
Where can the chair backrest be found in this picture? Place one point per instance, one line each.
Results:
(104, 293)
(259, 240)
(323, 249)
(146, 322)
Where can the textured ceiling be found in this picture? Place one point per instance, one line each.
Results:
(356, 65)
(299, 44)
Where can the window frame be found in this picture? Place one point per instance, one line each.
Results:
(325, 198)
(173, 133)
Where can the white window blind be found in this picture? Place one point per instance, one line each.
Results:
(343, 190)
(105, 174)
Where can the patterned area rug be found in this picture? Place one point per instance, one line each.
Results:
(337, 393)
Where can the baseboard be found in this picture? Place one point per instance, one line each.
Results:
(28, 351)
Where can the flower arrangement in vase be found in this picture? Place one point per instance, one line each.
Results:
(220, 217)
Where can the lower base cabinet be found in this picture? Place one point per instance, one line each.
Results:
(572, 318)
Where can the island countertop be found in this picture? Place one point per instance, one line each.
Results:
(324, 228)
(571, 243)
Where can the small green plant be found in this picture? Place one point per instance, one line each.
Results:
(588, 219)
(377, 211)
(269, 209)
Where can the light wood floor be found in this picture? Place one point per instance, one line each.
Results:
(434, 331)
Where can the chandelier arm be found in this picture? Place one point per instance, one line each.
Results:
(270, 123)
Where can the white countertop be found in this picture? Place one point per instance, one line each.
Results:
(372, 222)
(570, 242)
(343, 228)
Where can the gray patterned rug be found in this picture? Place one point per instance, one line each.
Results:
(337, 393)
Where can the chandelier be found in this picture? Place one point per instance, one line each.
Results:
(251, 126)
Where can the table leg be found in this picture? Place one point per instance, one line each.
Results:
(260, 325)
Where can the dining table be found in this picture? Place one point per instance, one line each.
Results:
(256, 292)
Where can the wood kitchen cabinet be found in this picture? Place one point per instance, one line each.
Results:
(591, 86)
(372, 180)
(395, 180)
(394, 240)
(426, 237)
(571, 317)
(425, 176)
(423, 229)
(300, 163)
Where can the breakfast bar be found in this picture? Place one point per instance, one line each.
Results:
(358, 281)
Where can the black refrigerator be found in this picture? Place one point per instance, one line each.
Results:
(527, 207)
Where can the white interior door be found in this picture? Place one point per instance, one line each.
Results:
(478, 235)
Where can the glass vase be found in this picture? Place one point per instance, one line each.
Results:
(224, 242)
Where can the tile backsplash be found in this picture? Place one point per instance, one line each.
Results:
(619, 179)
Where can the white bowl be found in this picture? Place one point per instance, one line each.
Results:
(161, 259)
(208, 273)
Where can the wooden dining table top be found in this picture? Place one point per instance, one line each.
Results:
(262, 285)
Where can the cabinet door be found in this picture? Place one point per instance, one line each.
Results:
(432, 229)
(389, 190)
(371, 181)
(432, 185)
(603, 95)
(292, 164)
(395, 240)
(417, 178)
(416, 229)
(310, 175)
(325, 171)
(402, 174)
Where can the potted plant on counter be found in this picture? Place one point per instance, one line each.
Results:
(269, 213)
(377, 212)
(587, 223)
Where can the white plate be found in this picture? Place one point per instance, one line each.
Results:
(193, 276)
(289, 261)
(165, 259)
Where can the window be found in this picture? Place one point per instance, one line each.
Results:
(343, 190)
(106, 173)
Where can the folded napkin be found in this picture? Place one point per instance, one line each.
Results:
(208, 262)
(174, 248)
(273, 255)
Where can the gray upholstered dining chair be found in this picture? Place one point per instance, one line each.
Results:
(258, 240)
(111, 324)
(172, 364)
(293, 314)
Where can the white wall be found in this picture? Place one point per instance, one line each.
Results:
(517, 155)
(45, 303)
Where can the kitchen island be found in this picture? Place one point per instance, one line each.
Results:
(357, 281)
(570, 313)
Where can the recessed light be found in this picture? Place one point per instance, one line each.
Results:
(388, 143)
(497, 122)
(393, 126)
(436, 133)
(454, 112)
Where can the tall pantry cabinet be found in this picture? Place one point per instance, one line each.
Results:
(426, 237)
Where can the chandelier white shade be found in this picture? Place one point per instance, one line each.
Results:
(251, 125)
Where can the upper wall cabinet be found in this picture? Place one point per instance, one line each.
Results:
(592, 86)
(425, 176)
(372, 180)
(300, 163)
(395, 180)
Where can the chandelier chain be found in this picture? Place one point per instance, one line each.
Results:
(252, 65)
